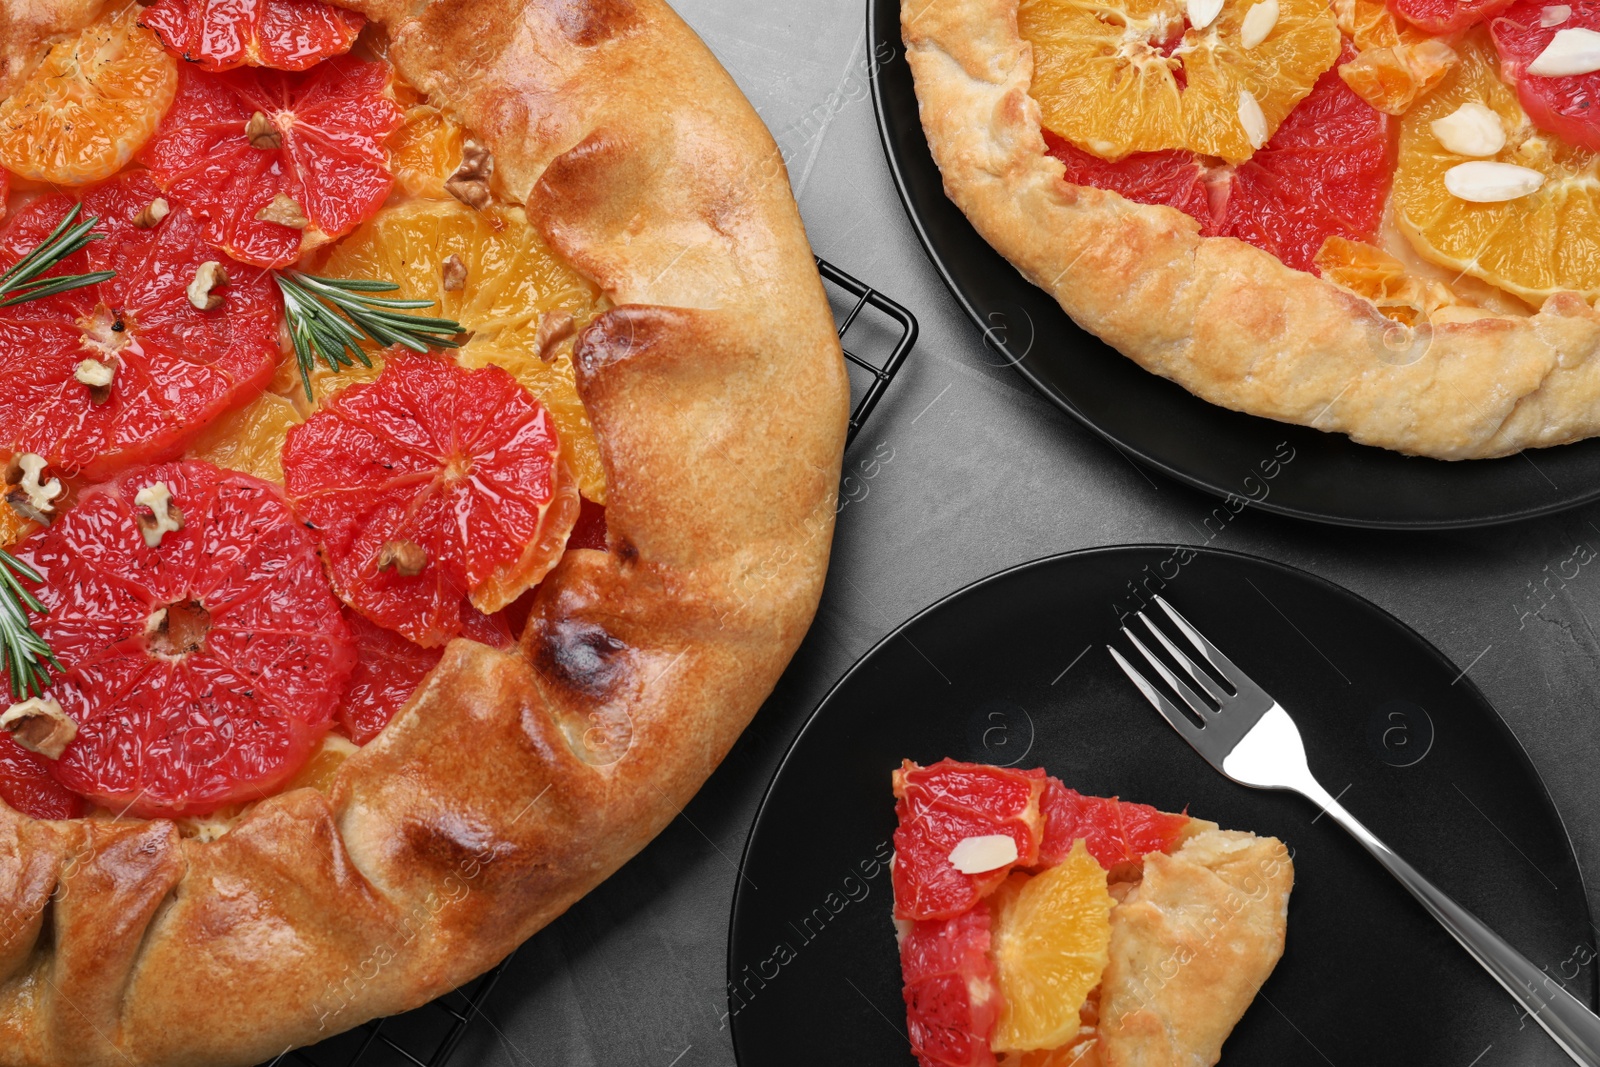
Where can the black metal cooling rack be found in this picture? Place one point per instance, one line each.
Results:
(428, 1036)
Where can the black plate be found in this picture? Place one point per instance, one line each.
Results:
(1012, 670)
(1331, 479)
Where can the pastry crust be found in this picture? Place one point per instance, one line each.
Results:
(512, 783)
(1225, 320)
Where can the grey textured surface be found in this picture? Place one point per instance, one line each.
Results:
(982, 473)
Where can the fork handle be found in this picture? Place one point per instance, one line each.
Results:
(1563, 1016)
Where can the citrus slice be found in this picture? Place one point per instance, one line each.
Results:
(1117, 833)
(90, 105)
(1377, 276)
(174, 368)
(590, 529)
(217, 35)
(511, 283)
(26, 785)
(389, 669)
(1325, 172)
(1567, 106)
(1532, 246)
(425, 150)
(952, 998)
(250, 439)
(1397, 63)
(318, 143)
(1121, 76)
(1052, 933)
(430, 484)
(1448, 16)
(201, 670)
(943, 805)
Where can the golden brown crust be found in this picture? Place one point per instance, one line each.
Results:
(513, 783)
(1227, 321)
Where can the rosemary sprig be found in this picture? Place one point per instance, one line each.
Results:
(310, 303)
(25, 652)
(22, 282)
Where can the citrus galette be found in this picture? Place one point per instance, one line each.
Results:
(421, 427)
(1052, 929)
(1377, 220)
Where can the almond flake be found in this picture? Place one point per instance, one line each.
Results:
(33, 498)
(1485, 182)
(39, 725)
(209, 275)
(453, 274)
(977, 855)
(152, 213)
(164, 517)
(1203, 13)
(261, 133)
(1252, 119)
(1555, 15)
(554, 327)
(1470, 130)
(1258, 23)
(285, 211)
(1574, 51)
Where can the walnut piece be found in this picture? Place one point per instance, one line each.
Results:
(454, 274)
(262, 133)
(285, 211)
(554, 327)
(209, 275)
(470, 183)
(407, 558)
(152, 213)
(39, 725)
(33, 497)
(98, 377)
(164, 518)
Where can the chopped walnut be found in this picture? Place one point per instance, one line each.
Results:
(285, 211)
(206, 278)
(33, 498)
(152, 213)
(262, 133)
(407, 558)
(98, 377)
(470, 183)
(164, 518)
(454, 274)
(39, 725)
(554, 327)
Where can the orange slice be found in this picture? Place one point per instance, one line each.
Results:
(1532, 246)
(1397, 64)
(425, 150)
(93, 102)
(250, 439)
(1381, 278)
(1123, 76)
(1052, 934)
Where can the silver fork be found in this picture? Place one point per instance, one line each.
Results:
(1250, 738)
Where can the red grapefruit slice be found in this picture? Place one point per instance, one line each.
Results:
(319, 143)
(951, 991)
(26, 785)
(1117, 834)
(944, 804)
(201, 671)
(1568, 106)
(175, 368)
(428, 485)
(217, 35)
(1448, 16)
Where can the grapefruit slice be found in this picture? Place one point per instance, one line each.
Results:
(1118, 834)
(202, 670)
(1567, 106)
(1448, 16)
(1121, 76)
(318, 143)
(430, 484)
(26, 785)
(1324, 173)
(175, 368)
(218, 35)
(90, 105)
(951, 992)
(943, 805)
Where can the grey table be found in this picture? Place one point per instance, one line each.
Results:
(985, 474)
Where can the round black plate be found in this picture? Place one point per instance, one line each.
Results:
(1331, 479)
(1013, 670)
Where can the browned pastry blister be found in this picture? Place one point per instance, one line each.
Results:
(513, 782)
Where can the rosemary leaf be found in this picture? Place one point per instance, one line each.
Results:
(21, 281)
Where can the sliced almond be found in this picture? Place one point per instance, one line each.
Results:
(1252, 119)
(209, 275)
(408, 558)
(1203, 13)
(1470, 130)
(1555, 15)
(285, 211)
(978, 855)
(1573, 51)
(1258, 23)
(152, 213)
(1487, 182)
(470, 183)
(453, 274)
(39, 725)
(33, 497)
(164, 518)
(554, 327)
(262, 133)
